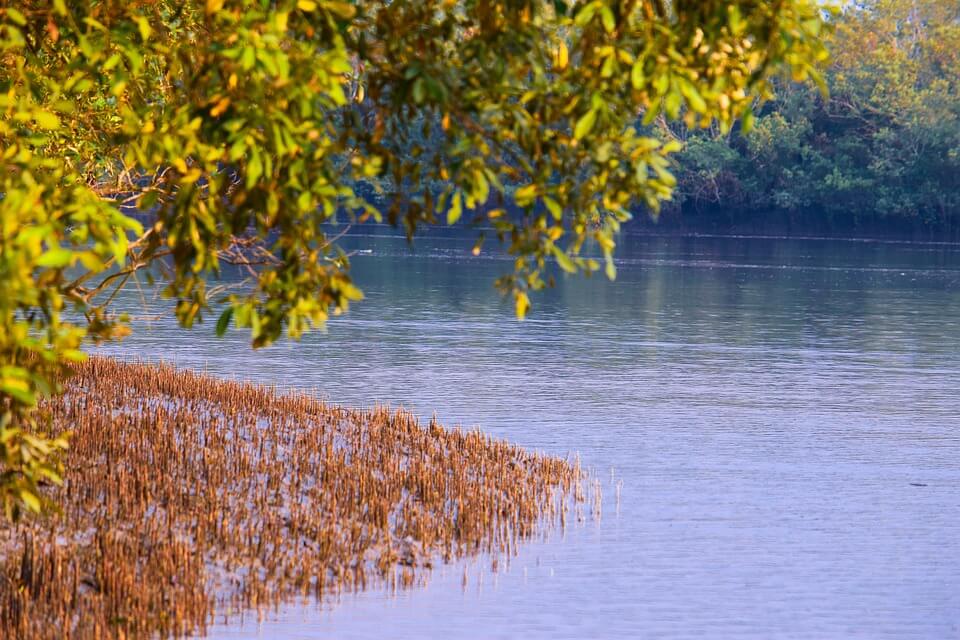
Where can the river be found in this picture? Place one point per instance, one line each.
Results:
(782, 418)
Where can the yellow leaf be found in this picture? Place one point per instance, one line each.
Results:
(214, 5)
(553, 207)
(47, 120)
(219, 108)
(610, 270)
(563, 57)
(671, 147)
(144, 26)
(525, 195)
(456, 209)
(564, 260)
(343, 10)
(30, 499)
(523, 304)
(306, 5)
(350, 292)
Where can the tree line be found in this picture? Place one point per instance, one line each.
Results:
(879, 152)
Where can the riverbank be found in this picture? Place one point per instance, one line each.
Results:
(796, 225)
(188, 497)
(673, 225)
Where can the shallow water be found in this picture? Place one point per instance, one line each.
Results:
(783, 415)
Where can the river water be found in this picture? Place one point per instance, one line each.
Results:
(783, 416)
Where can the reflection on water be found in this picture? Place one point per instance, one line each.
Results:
(783, 415)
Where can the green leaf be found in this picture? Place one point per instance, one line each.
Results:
(665, 176)
(224, 321)
(818, 80)
(248, 58)
(671, 104)
(14, 372)
(694, 99)
(16, 16)
(651, 114)
(585, 125)
(606, 16)
(419, 90)
(55, 258)
(585, 14)
(148, 199)
(254, 169)
(18, 393)
(637, 79)
(813, 26)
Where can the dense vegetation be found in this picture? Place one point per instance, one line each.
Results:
(880, 154)
(243, 127)
(188, 495)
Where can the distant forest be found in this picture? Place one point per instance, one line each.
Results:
(871, 148)
(880, 156)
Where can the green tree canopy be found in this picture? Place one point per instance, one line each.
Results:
(882, 151)
(245, 127)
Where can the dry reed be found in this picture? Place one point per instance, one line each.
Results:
(188, 497)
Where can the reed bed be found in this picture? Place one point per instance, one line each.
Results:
(189, 497)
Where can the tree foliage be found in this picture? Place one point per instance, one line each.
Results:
(883, 147)
(246, 127)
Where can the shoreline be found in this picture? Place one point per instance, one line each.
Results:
(648, 229)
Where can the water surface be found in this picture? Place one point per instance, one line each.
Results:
(783, 415)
